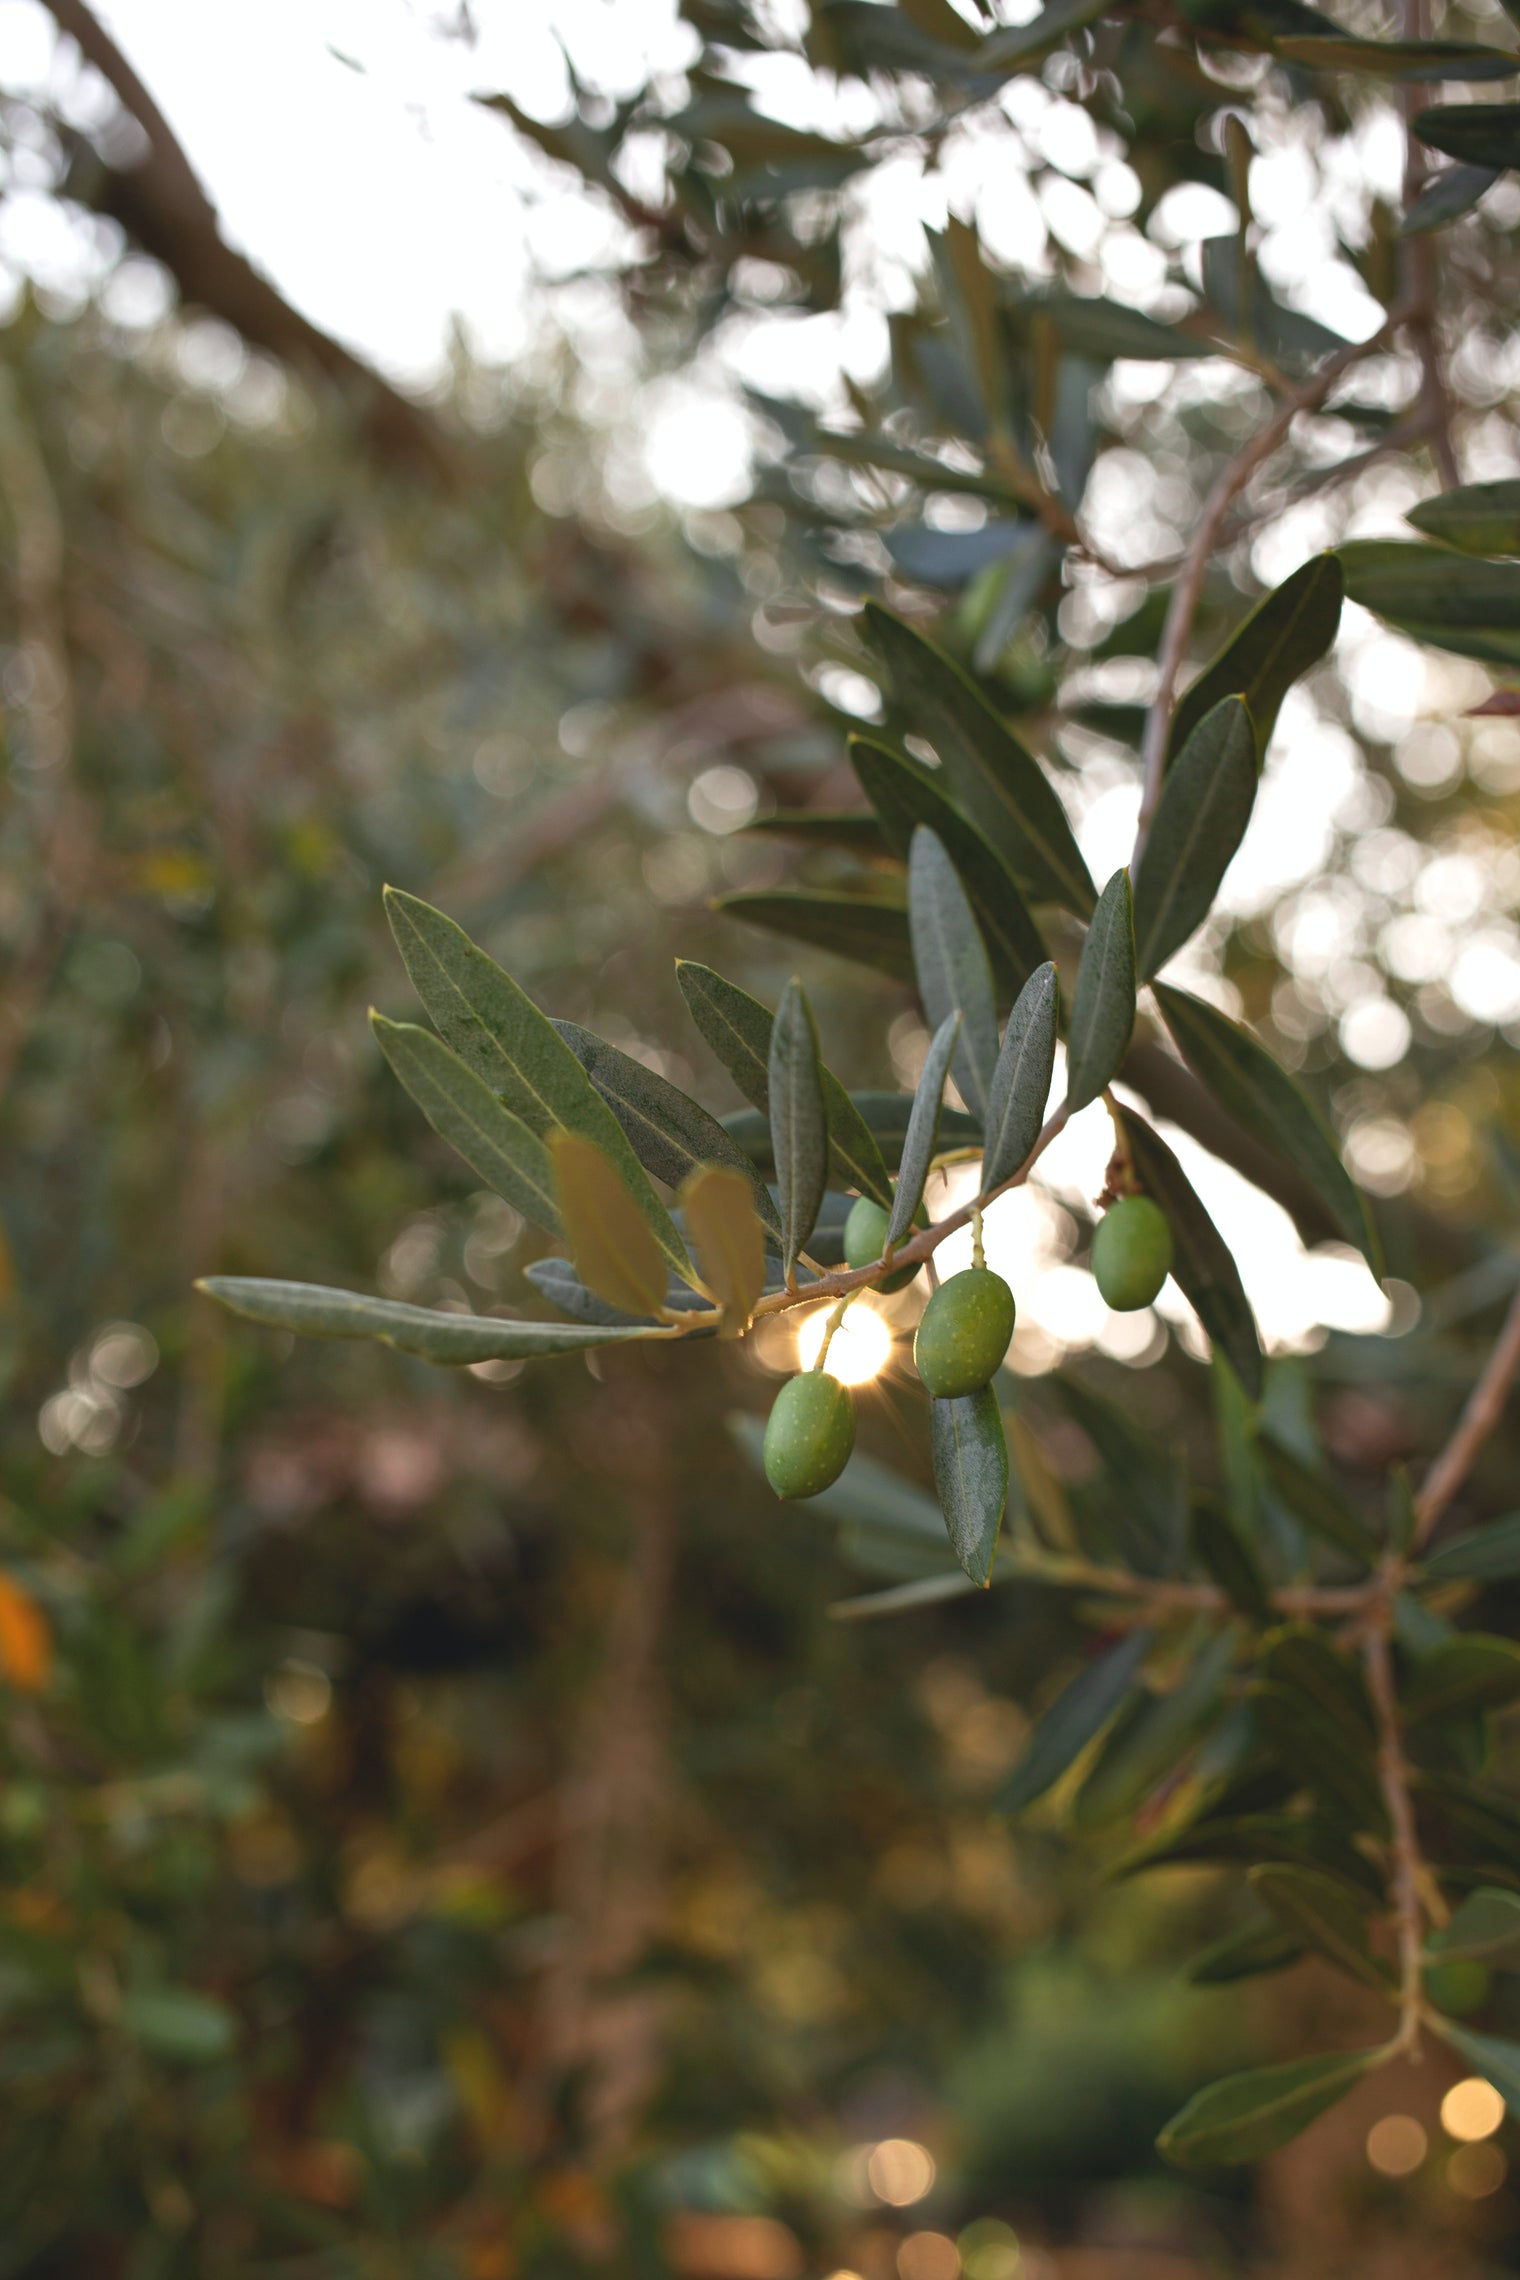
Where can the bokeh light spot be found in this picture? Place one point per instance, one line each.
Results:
(1471, 2109)
(859, 1349)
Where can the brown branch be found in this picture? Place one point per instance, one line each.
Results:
(162, 207)
(1484, 1409)
(1393, 1780)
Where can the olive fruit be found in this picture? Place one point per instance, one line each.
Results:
(865, 1231)
(809, 1434)
(964, 1333)
(1131, 1253)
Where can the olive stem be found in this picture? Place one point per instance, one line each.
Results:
(978, 1255)
(830, 1327)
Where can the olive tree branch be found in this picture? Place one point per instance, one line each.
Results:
(1483, 1410)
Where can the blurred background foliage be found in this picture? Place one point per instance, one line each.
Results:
(443, 1830)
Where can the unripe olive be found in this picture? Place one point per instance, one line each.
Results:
(964, 1333)
(865, 1231)
(1131, 1253)
(809, 1434)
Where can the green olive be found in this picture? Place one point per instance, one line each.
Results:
(809, 1434)
(964, 1333)
(1131, 1253)
(865, 1231)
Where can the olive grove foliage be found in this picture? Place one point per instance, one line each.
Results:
(1288, 1673)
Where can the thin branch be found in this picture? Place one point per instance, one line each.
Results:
(1485, 1407)
(1189, 587)
(1407, 1866)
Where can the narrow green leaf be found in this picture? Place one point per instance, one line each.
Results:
(1301, 1839)
(1303, 1658)
(1021, 1080)
(1148, 1744)
(1316, 1501)
(1284, 635)
(1475, 1824)
(903, 1598)
(1311, 1748)
(1446, 197)
(1401, 59)
(856, 830)
(1018, 47)
(1103, 1003)
(971, 1476)
(670, 1133)
(1433, 593)
(1248, 2115)
(497, 1030)
(1076, 1717)
(557, 1281)
(1002, 787)
(951, 964)
(867, 931)
(905, 795)
(463, 1110)
(1497, 2060)
(1270, 1104)
(1478, 1555)
(314, 1311)
(1485, 1929)
(1199, 822)
(799, 1128)
(718, 1204)
(1202, 1266)
(610, 1240)
(1471, 1672)
(738, 1028)
(1144, 1497)
(1228, 1560)
(1480, 134)
(1089, 326)
(176, 2022)
(1478, 518)
(1257, 1948)
(923, 1126)
(1319, 1914)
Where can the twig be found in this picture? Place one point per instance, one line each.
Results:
(1393, 1780)
(1485, 1407)
(1349, 1599)
(1189, 587)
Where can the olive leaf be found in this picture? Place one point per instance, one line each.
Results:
(463, 1110)
(1496, 2059)
(1021, 1080)
(738, 1028)
(1103, 1003)
(314, 1311)
(1447, 196)
(719, 1209)
(1477, 518)
(970, 1457)
(1077, 1716)
(867, 930)
(923, 1125)
(799, 1129)
(1318, 1913)
(1283, 636)
(1203, 1266)
(1313, 1498)
(497, 1030)
(1471, 1672)
(1258, 1947)
(1484, 1929)
(1480, 134)
(1200, 820)
(951, 964)
(1433, 593)
(1248, 2115)
(1478, 1555)
(610, 1241)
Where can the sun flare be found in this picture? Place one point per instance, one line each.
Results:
(860, 1348)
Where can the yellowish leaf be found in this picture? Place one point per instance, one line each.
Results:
(729, 1241)
(610, 1240)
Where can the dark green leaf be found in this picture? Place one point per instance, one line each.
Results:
(1301, 1657)
(670, 1133)
(1018, 47)
(1199, 822)
(1480, 134)
(562, 1286)
(1498, 2061)
(932, 557)
(1228, 1560)
(923, 1126)
(497, 1030)
(951, 963)
(799, 1128)
(970, 1476)
(316, 1312)
(866, 931)
(1103, 1003)
(1315, 1500)
(856, 831)
(1478, 1555)
(176, 2022)
(1248, 2115)
(1257, 1948)
(1142, 1493)
(883, 1114)
(1147, 1745)
(1303, 1840)
(1021, 1080)
(1473, 1671)
(1271, 1105)
(1475, 1824)
(1447, 197)
(1480, 518)
(1318, 1913)
(1434, 594)
(1079, 1713)
(1002, 787)
(1086, 325)
(738, 1028)
(1485, 1929)
(1283, 636)
(1401, 59)
(1202, 1266)
(905, 796)
(463, 1110)
(1312, 1748)
(903, 1598)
